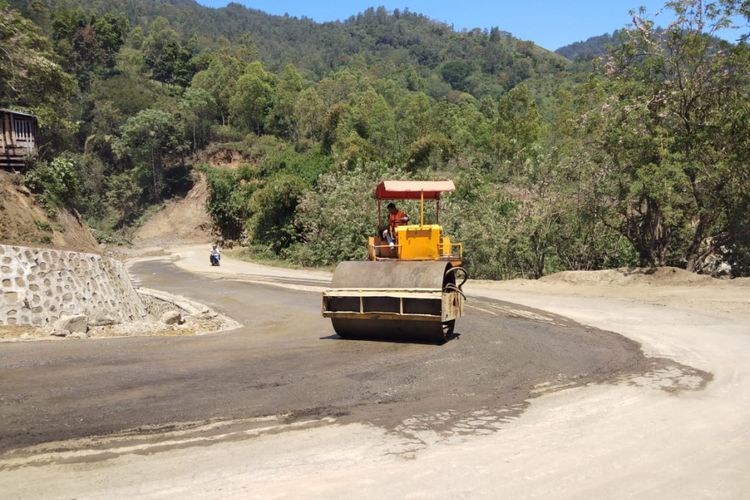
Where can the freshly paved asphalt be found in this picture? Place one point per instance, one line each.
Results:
(286, 360)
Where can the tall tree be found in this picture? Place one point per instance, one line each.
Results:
(198, 110)
(87, 43)
(281, 118)
(220, 79)
(170, 60)
(676, 93)
(30, 75)
(253, 98)
(518, 124)
(148, 139)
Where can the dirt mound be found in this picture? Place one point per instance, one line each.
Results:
(218, 157)
(181, 220)
(630, 276)
(24, 222)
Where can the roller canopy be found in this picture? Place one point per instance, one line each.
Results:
(412, 190)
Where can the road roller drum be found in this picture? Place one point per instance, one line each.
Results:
(395, 300)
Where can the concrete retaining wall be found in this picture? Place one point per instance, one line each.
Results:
(37, 285)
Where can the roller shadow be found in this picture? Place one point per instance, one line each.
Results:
(403, 340)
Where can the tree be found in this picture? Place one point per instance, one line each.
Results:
(87, 43)
(456, 74)
(336, 217)
(425, 151)
(169, 59)
(30, 78)
(370, 117)
(228, 200)
(220, 79)
(281, 120)
(198, 110)
(30, 75)
(309, 115)
(111, 30)
(253, 98)
(148, 139)
(676, 93)
(272, 212)
(414, 114)
(518, 124)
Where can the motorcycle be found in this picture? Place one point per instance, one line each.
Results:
(215, 259)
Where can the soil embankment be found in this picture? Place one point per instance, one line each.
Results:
(24, 222)
(185, 219)
(181, 219)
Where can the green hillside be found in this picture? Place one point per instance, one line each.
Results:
(595, 46)
(559, 165)
(476, 61)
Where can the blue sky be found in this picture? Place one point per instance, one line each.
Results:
(549, 23)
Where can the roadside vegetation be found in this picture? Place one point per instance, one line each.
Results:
(639, 157)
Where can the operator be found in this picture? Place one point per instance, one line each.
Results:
(395, 218)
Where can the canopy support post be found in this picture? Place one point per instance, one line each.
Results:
(421, 208)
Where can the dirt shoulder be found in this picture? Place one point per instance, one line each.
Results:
(675, 288)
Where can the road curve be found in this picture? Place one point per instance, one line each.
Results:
(397, 419)
(286, 360)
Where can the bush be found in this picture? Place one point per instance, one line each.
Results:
(226, 133)
(110, 237)
(125, 197)
(336, 217)
(307, 166)
(228, 200)
(272, 208)
(56, 180)
(43, 225)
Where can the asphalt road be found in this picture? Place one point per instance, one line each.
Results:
(286, 360)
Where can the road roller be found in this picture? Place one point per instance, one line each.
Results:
(409, 288)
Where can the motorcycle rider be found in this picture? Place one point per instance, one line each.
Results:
(215, 255)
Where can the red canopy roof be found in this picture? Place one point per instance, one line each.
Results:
(412, 190)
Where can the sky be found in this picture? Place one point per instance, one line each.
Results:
(548, 23)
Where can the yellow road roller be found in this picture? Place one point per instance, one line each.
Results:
(409, 289)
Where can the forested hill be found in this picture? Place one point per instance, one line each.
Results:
(558, 164)
(477, 61)
(585, 50)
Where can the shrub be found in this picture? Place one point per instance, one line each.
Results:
(228, 200)
(56, 180)
(272, 212)
(336, 217)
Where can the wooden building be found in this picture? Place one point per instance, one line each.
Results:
(18, 132)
